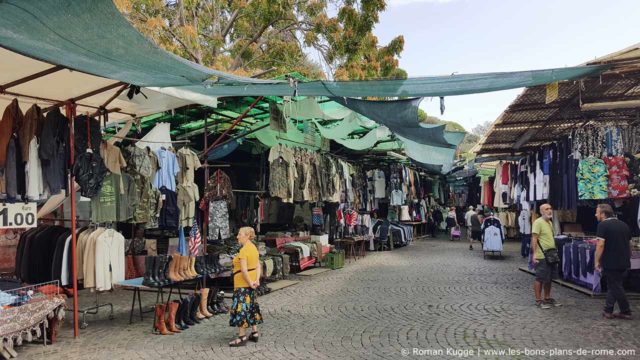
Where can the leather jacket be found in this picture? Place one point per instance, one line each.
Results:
(89, 171)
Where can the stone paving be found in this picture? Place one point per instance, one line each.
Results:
(433, 299)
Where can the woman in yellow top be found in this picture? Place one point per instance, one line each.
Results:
(245, 310)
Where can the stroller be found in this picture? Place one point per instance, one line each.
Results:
(455, 233)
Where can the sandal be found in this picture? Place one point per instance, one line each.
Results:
(255, 336)
(239, 341)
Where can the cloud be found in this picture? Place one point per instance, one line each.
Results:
(407, 2)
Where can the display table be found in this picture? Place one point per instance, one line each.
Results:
(135, 285)
(417, 225)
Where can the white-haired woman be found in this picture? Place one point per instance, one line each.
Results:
(245, 311)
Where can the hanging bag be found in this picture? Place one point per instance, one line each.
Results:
(550, 255)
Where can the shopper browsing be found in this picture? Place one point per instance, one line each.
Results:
(476, 227)
(613, 254)
(544, 257)
(467, 220)
(245, 310)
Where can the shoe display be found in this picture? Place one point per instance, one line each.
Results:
(204, 296)
(159, 326)
(186, 312)
(171, 318)
(149, 279)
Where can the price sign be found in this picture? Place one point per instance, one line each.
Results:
(19, 215)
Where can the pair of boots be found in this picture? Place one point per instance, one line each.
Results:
(181, 313)
(155, 270)
(182, 268)
(215, 302)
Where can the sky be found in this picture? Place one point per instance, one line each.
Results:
(474, 36)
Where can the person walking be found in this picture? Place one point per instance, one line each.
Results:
(476, 227)
(245, 310)
(546, 269)
(613, 254)
(467, 221)
(451, 221)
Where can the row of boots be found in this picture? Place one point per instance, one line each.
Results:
(164, 269)
(179, 315)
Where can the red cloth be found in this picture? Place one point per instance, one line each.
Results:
(618, 173)
(505, 174)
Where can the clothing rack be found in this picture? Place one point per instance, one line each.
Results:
(93, 310)
(250, 191)
(150, 141)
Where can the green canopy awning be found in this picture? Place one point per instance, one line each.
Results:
(412, 87)
(93, 37)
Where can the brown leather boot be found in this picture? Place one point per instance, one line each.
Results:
(159, 326)
(171, 319)
(173, 269)
(204, 295)
(192, 267)
(198, 305)
(184, 262)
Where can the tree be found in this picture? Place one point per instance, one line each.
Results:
(481, 129)
(250, 36)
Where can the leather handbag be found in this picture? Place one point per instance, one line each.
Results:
(550, 255)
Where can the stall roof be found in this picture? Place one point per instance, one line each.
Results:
(530, 122)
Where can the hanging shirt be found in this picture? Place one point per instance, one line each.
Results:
(169, 168)
(396, 197)
(189, 163)
(524, 221)
(618, 173)
(379, 184)
(592, 179)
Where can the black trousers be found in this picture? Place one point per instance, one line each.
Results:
(615, 291)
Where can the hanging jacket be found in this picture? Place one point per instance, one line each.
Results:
(86, 130)
(89, 171)
(54, 150)
(12, 118)
(492, 234)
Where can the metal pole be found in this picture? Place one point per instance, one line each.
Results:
(205, 225)
(208, 148)
(71, 114)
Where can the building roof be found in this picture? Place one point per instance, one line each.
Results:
(530, 122)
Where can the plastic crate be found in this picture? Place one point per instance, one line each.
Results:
(335, 260)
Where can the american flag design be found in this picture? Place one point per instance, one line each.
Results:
(195, 240)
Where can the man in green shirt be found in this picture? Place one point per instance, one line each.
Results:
(542, 237)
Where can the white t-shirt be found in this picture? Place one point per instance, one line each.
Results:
(467, 217)
(379, 184)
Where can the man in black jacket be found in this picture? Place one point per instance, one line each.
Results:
(613, 258)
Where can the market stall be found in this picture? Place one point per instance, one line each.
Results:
(572, 145)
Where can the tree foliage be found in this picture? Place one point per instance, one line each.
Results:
(250, 36)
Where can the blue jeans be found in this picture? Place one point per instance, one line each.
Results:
(525, 246)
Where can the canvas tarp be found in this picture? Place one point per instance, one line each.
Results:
(431, 86)
(401, 117)
(93, 37)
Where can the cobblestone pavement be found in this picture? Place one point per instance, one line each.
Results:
(432, 296)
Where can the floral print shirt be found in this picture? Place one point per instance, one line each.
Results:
(618, 173)
(592, 179)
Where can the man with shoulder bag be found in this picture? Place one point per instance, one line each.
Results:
(544, 257)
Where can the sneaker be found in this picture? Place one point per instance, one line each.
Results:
(608, 315)
(552, 302)
(470, 247)
(542, 305)
(624, 316)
